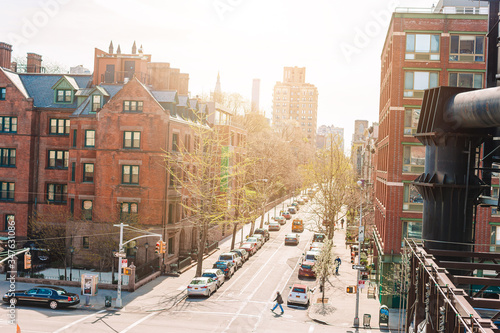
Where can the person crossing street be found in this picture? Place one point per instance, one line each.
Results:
(279, 301)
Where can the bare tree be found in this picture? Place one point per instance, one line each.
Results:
(323, 267)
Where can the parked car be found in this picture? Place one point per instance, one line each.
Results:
(262, 232)
(298, 225)
(226, 266)
(291, 239)
(251, 248)
(281, 219)
(204, 286)
(296, 205)
(305, 198)
(286, 214)
(274, 226)
(52, 296)
(252, 239)
(299, 294)
(292, 210)
(318, 237)
(311, 255)
(239, 256)
(243, 253)
(232, 257)
(260, 237)
(215, 274)
(316, 245)
(301, 201)
(306, 269)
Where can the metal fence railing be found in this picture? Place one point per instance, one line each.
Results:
(184, 262)
(146, 269)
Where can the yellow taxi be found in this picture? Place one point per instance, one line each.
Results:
(297, 225)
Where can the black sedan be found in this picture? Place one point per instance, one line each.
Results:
(52, 296)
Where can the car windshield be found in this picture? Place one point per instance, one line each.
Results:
(298, 290)
(252, 239)
(226, 257)
(196, 281)
(319, 237)
(310, 257)
(208, 274)
(306, 266)
(297, 222)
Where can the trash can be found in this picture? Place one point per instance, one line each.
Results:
(366, 320)
(107, 301)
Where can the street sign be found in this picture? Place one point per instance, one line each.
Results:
(361, 284)
(360, 267)
(361, 235)
(124, 263)
(120, 254)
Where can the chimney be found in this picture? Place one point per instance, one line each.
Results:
(34, 63)
(134, 48)
(118, 50)
(5, 55)
(111, 47)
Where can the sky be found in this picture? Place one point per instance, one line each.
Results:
(339, 43)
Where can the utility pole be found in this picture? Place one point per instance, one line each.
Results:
(120, 251)
(356, 316)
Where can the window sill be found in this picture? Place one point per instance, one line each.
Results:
(7, 166)
(59, 134)
(57, 202)
(130, 184)
(56, 169)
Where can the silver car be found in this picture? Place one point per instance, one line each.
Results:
(202, 286)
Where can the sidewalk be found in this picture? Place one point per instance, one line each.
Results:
(339, 311)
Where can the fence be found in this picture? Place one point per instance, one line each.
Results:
(212, 246)
(184, 263)
(146, 269)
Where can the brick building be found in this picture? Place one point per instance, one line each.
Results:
(296, 100)
(423, 49)
(83, 148)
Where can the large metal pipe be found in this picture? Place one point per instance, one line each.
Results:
(474, 109)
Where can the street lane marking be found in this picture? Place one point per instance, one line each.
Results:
(78, 321)
(138, 322)
(311, 329)
(218, 313)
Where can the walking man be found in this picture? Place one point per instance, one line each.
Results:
(337, 262)
(342, 223)
(278, 301)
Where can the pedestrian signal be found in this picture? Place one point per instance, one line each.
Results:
(27, 261)
(351, 289)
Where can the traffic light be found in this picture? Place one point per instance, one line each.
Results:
(126, 271)
(27, 261)
(352, 257)
(158, 247)
(163, 247)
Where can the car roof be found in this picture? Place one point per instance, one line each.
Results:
(211, 270)
(200, 278)
(49, 287)
(291, 235)
(225, 253)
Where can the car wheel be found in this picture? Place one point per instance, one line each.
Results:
(53, 305)
(13, 300)
(209, 293)
(287, 303)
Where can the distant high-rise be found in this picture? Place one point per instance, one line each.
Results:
(328, 134)
(296, 100)
(255, 95)
(217, 94)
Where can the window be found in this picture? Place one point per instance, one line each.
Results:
(413, 159)
(7, 191)
(87, 209)
(2, 94)
(72, 206)
(411, 230)
(8, 218)
(171, 245)
(88, 172)
(64, 96)
(57, 192)
(73, 169)
(422, 47)
(58, 159)
(411, 121)
(74, 138)
(467, 48)
(467, 80)
(412, 200)
(86, 242)
(416, 82)
(89, 138)
(175, 142)
(59, 126)
(132, 106)
(7, 157)
(187, 142)
(8, 124)
(130, 174)
(170, 214)
(132, 140)
(495, 238)
(128, 211)
(96, 103)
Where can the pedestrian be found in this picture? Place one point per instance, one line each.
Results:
(342, 223)
(278, 301)
(337, 262)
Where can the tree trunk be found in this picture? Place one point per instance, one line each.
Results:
(235, 230)
(323, 290)
(201, 249)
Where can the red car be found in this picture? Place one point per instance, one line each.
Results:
(249, 247)
(306, 269)
(287, 215)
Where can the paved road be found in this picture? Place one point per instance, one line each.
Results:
(242, 304)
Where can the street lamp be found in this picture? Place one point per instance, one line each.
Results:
(146, 246)
(356, 316)
(71, 251)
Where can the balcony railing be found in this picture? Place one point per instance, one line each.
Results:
(469, 10)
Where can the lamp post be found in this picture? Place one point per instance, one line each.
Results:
(146, 246)
(71, 251)
(356, 316)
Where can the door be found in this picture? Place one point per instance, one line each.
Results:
(109, 75)
(129, 69)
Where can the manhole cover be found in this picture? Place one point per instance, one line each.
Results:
(323, 300)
